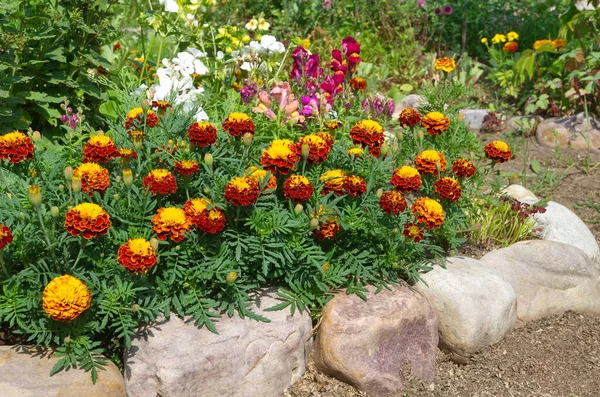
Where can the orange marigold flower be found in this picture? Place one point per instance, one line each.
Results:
(281, 156)
(6, 236)
(16, 147)
(238, 124)
(242, 191)
(356, 152)
(430, 162)
(65, 298)
(259, 176)
(100, 149)
(327, 230)
(406, 179)
(202, 134)
(540, 43)
(94, 178)
(392, 202)
(435, 122)
(297, 188)
(413, 232)
(448, 188)
(171, 222)
(137, 255)
(210, 221)
(446, 64)
(319, 148)
(559, 44)
(463, 168)
(358, 83)
(367, 133)
(429, 212)
(160, 181)
(498, 151)
(87, 219)
(409, 117)
(333, 181)
(332, 125)
(135, 116)
(354, 185)
(510, 46)
(186, 167)
(326, 136)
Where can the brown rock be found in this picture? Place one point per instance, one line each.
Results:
(575, 131)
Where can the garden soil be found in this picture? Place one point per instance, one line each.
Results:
(553, 357)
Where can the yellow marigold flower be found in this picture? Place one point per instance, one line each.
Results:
(94, 177)
(540, 43)
(446, 64)
(484, 40)
(356, 152)
(430, 162)
(498, 38)
(171, 222)
(512, 36)
(435, 122)
(429, 212)
(258, 174)
(333, 181)
(498, 151)
(281, 156)
(65, 298)
(137, 255)
(16, 147)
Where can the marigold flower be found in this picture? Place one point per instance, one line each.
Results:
(87, 219)
(446, 64)
(161, 105)
(160, 181)
(510, 46)
(281, 156)
(332, 125)
(259, 175)
(448, 188)
(463, 168)
(354, 185)
(356, 152)
(512, 36)
(127, 155)
(135, 116)
(327, 230)
(65, 298)
(238, 124)
(319, 148)
(540, 43)
(392, 202)
(559, 44)
(326, 136)
(430, 162)
(413, 232)
(435, 122)
(100, 149)
(94, 178)
(242, 191)
(429, 212)
(333, 181)
(202, 134)
(16, 147)
(171, 222)
(297, 188)
(136, 134)
(498, 38)
(406, 179)
(497, 151)
(137, 255)
(484, 40)
(210, 221)
(367, 133)
(358, 83)
(6, 236)
(409, 117)
(186, 167)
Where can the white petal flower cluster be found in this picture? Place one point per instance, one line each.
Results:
(170, 5)
(268, 45)
(250, 54)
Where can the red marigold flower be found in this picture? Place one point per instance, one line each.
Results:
(281, 156)
(94, 178)
(100, 149)
(160, 181)
(186, 167)
(259, 176)
(448, 188)
(327, 230)
(429, 212)
(210, 221)
(16, 147)
(238, 124)
(413, 232)
(367, 133)
(332, 125)
(511, 46)
(354, 185)
(6, 236)
(162, 105)
(463, 168)
(430, 162)
(87, 219)
(319, 147)
(358, 83)
(202, 134)
(435, 122)
(137, 255)
(297, 188)
(171, 222)
(498, 151)
(409, 117)
(242, 191)
(333, 181)
(135, 116)
(406, 179)
(392, 202)
(559, 44)
(326, 136)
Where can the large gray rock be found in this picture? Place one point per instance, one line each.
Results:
(367, 344)
(248, 358)
(575, 131)
(475, 306)
(25, 372)
(548, 277)
(474, 118)
(410, 101)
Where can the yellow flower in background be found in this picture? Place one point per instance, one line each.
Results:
(252, 25)
(540, 43)
(446, 64)
(498, 38)
(484, 40)
(263, 25)
(512, 36)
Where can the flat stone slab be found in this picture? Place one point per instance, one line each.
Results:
(576, 131)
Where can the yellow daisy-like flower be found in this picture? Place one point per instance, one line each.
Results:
(512, 36)
(446, 64)
(498, 38)
(65, 298)
(252, 24)
(484, 40)
(263, 25)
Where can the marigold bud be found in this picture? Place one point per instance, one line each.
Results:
(379, 192)
(76, 184)
(36, 137)
(231, 277)
(385, 148)
(68, 340)
(326, 267)
(438, 166)
(400, 136)
(298, 209)
(154, 244)
(314, 223)
(68, 173)
(116, 196)
(145, 104)
(61, 187)
(247, 139)
(208, 159)
(127, 177)
(420, 136)
(137, 143)
(135, 308)
(305, 150)
(54, 211)
(35, 195)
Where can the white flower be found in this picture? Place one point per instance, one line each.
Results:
(271, 44)
(220, 55)
(263, 25)
(170, 5)
(252, 24)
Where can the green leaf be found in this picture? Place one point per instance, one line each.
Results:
(57, 54)
(36, 96)
(110, 109)
(536, 166)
